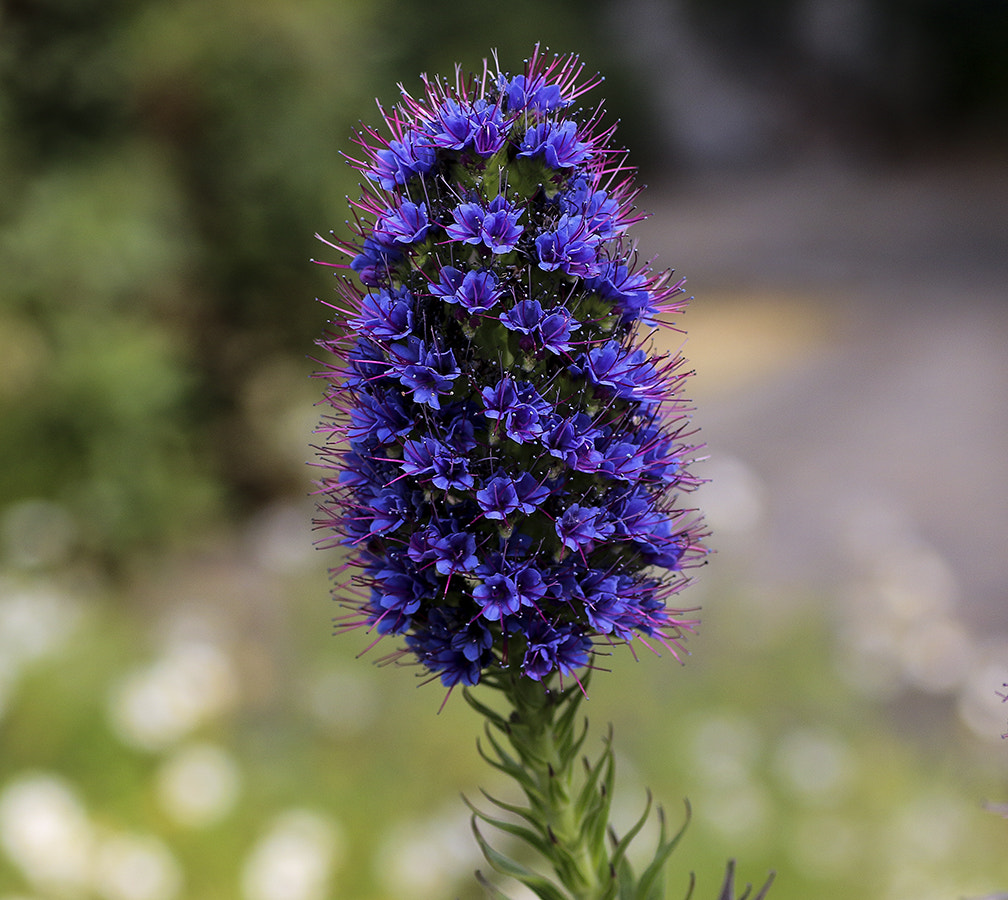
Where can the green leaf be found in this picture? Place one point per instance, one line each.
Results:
(492, 891)
(492, 337)
(692, 884)
(534, 840)
(728, 888)
(538, 884)
(489, 714)
(495, 174)
(507, 764)
(525, 175)
(588, 797)
(625, 880)
(575, 743)
(652, 882)
(621, 847)
(531, 817)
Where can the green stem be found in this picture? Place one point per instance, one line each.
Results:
(550, 756)
(567, 816)
(543, 730)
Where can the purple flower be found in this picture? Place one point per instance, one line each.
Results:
(390, 511)
(453, 128)
(519, 407)
(406, 224)
(418, 456)
(550, 329)
(524, 316)
(630, 374)
(627, 290)
(623, 460)
(374, 263)
(478, 291)
(385, 315)
(610, 605)
(555, 330)
(397, 587)
(600, 211)
(379, 420)
(605, 365)
(489, 138)
(460, 433)
(468, 223)
(499, 498)
(557, 143)
(579, 526)
(480, 125)
(504, 457)
(401, 160)
(500, 229)
(495, 226)
(451, 647)
(451, 472)
(499, 398)
(536, 95)
(549, 648)
(430, 376)
(530, 492)
(571, 247)
(455, 552)
(529, 585)
(573, 440)
(497, 597)
(524, 421)
(449, 281)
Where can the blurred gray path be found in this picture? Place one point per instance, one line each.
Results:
(874, 309)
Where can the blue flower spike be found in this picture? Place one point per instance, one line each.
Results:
(498, 298)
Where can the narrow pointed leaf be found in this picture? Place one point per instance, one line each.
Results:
(541, 886)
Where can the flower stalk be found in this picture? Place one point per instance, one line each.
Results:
(568, 799)
(507, 449)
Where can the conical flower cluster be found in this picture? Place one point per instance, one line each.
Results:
(505, 451)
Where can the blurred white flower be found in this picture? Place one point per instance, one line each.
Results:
(724, 749)
(199, 784)
(979, 705)
(422, 860)
(815, 767)
(156, 706)
(825, 846)
(734, 499)
(929, 830)
(280, 538)
(742, 815)
(35, 620)
(294, 860)
(135, 867)
(45, 832)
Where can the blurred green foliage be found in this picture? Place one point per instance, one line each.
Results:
(165, 166)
